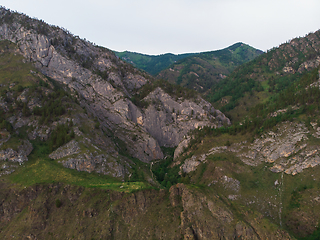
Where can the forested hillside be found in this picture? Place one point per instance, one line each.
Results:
(266, 76)
(152, 64)
(203, 70)
(273, 102)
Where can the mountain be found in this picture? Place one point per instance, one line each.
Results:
(212, 65)
(203, 70)
(266, 76)
(93, 148)
(268, 160)
(152, 64)
(104, 86)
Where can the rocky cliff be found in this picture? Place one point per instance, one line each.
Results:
(104, 85)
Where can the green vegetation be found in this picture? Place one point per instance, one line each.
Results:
(298, 101)
(165, 174)
(58, 203)
(257, 81)
(52, 106)
(203, 70)
(259, 117)
(251, 95)
(62, 134)
(314, 236)
(150, 63)
(12, 71)
(41, 169)
(5, 125)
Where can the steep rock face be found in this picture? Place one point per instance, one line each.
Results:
(11, 158)
(71, 155)
(104, 85)
(108, 103)
(181, 147)
(169, 120)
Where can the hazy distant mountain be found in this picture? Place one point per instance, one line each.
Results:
(173, 67)
(200, 71)
(152, 64)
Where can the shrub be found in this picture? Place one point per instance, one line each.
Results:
(58, 203)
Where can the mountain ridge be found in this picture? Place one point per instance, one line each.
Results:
(202, 71)
(104, 83)
(151, 63)
(154, 64)
(268, 74)
(88, 144)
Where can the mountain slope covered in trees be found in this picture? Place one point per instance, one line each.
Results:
(266, 76)
(152, 64)
(203, 70)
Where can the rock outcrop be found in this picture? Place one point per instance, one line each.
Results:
(19, 155)
(287, 149)
(105, 84)
(181, 147)
(10, 158)
(76, 155)
(169, 120)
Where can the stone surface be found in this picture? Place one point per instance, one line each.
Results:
(108, 98)
(68, 149)
(192, 163)
(230, 183)
(41, 131)
(309, 64)
(181, 147)
(169, 120)
(288, 149)
(19, 155)
(71, 155)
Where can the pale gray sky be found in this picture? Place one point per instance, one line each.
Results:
(177, 26)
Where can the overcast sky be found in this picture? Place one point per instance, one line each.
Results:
(177, 26)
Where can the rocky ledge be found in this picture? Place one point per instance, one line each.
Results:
(84, 156)
(288, 149)
(9, 158)
(107, 96)
(18, 156)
